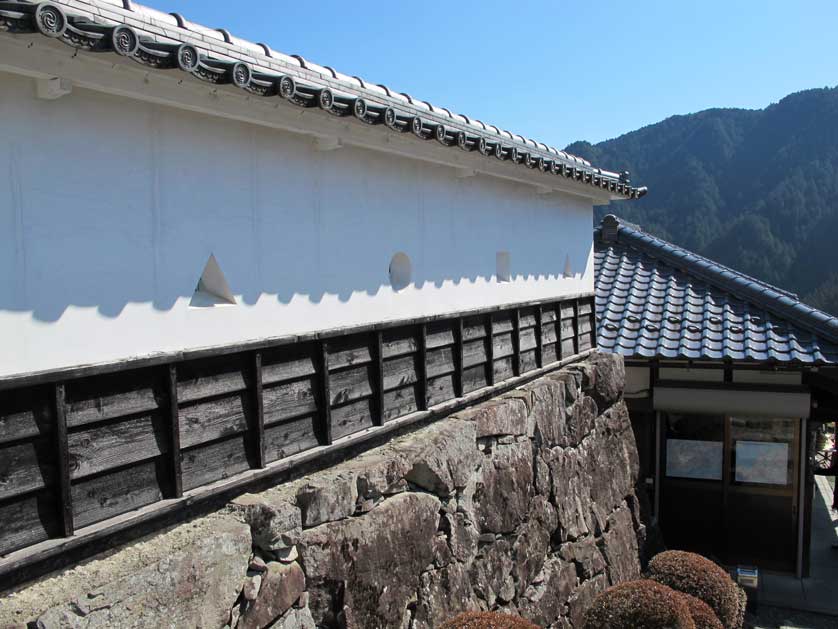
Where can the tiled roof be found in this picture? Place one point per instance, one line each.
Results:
(657, 300)
(168, 42)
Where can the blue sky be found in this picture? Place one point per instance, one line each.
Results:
(554, 70)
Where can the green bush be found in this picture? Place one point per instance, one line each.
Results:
(702, 614)
(487, 620)
(640, 604)
(695, 575)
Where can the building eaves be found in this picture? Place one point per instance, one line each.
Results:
(169, 42)
(655, 299)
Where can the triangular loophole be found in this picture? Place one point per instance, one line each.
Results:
(212, 289)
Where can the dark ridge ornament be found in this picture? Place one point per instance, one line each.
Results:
(462, 141)
(359, 109)
(327, 99)
(484, 147)
(514, 157)
(543, 164)
(241, 75)
(530, 161)
(417, 125)
(188, 58)
(442, 136)
(555, 167)
(50, 20)
(500, 153)
(287, 87)
(125, 41)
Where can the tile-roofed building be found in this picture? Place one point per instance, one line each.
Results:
(658, 300)
(727, 377)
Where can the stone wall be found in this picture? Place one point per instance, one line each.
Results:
(524, 504)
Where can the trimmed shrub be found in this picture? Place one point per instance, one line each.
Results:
(695, 575)
(639, 604)
(703, 616)
(487, 620)
(743, 606)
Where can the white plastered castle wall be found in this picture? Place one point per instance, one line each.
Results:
(111, 208)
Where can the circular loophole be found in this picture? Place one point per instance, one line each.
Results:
(401, 271)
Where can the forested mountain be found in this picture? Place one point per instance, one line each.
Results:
(754, 189)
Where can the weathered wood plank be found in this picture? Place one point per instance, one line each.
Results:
(117, 444)
(401, 371)
(585, 325)
(114, 493)
(550, 354)
(257, 426)
(586, 342)
(475, 378)
(549, 313)
(458, 359)
(63, 464)
(441, 389)
(504, 368)
(213, 419)
(215, 461)
(378, 378)
(205, 378)
(351, 384)
(567, 310)
(111, 396)
(352, 350)
(422, 364)
(289, 363)
(528, 317)
(26, 467)
(441, 361)
(175, 487)
(568, 347)
(502, 322)
(399, 341)
(401, 401)
(474, 327)
(353, 417)
(28, 520)
(490, 352)
(290, 437)
(475, 353)
(289, 399)
(440, 334)
(548, 333)
(325, 427)
(529, 361)
(585, 307)
(503, 346)
(528, 340)
(25, 413)
(539, 336)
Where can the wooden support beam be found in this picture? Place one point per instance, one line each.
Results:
(516, 342)
(258, 427)
(63, 458)
(539, 341)
(459, 358)
(490, 351)
(575, 326)
(378, 385)
(325, 431)
(176, 489)
(423, 367)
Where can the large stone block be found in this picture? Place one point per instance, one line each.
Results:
(609, 378)
(366, 569)
(549, 412)
(328, 497)
(503, 494)
(188, 577)
(275, 519)
(545, 602)
(442, 595)
(282, 585)
(504, 416)
(620, 547)
(443, 456)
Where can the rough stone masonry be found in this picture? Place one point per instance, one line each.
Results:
(523, 504)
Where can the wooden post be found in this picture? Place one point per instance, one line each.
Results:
(575, 327)
(258, 427)
(174, 434)
(423, 367)
(378, 385)
(325, 396)
(516, 342)
(63, 459)
(539, 342)
(490, 353)
(459, 358)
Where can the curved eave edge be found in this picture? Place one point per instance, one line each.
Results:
(80, 32)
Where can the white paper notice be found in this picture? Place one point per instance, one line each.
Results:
(762, 462)
(694, 459)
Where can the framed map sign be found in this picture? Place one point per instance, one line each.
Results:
(688, 458)
(762, 462)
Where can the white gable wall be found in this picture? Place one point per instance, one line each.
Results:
(112, 207)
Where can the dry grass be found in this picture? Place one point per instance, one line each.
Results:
(487, 620)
